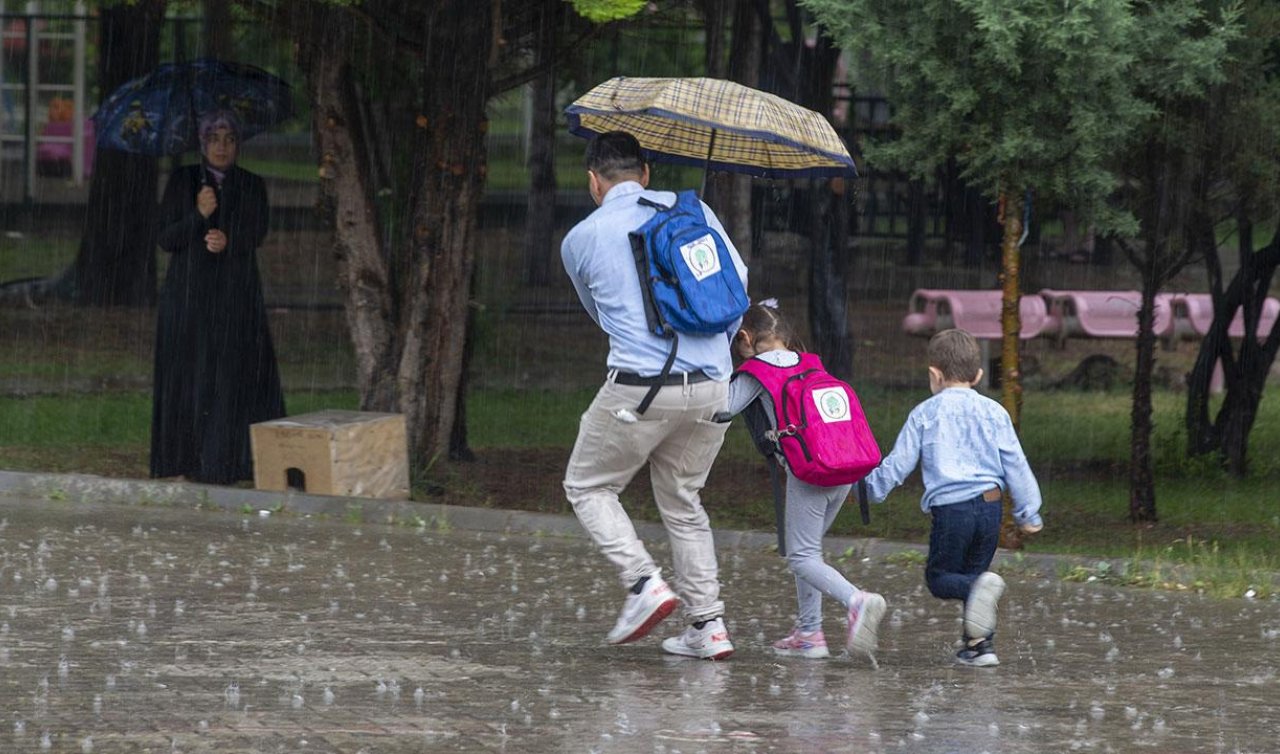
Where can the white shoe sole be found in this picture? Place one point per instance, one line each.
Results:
(988, 660)
(980, 608)
(814, 653)
(658, 615)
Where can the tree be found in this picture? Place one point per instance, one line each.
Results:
(1028, 98)
(116, 262)
(1240, 138)
(405, 237)
(1182, 49)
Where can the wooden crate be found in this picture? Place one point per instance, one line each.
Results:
(348, 453)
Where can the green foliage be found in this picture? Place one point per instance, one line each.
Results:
(1038, 94)
(603, 11)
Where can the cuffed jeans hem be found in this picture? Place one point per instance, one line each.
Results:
(695, 614)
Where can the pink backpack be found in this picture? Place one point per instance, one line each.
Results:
(821, 430)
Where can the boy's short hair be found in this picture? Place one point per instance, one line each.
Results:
(956, 354)
(615, 155)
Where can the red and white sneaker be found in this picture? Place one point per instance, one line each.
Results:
(711, 642)
(864, 622)
(811, 645)
(641, 612)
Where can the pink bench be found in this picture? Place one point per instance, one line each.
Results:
(1193, 315)
(977, 311)
(1101, 314)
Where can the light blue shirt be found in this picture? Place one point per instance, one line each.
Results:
(965, 444)
(597, 255)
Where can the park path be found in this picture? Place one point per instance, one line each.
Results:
(149, 629)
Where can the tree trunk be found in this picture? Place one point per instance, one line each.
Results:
(541, 205)
(346, 198)
(915, 222)
(1010, 336)
(449, 167)
(116, 262)
(729, 194)
(828, 315)
(1202, 435)
(1246, 372)
(1142, 493)
(1010, 311)
(217, 29)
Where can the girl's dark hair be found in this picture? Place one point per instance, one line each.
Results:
(761, 320)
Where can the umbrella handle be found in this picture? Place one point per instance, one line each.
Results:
(706, 168)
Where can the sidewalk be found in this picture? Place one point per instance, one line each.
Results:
(138, 616)
(89, 488)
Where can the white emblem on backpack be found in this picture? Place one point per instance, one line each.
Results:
(701, 257)
(832, 404)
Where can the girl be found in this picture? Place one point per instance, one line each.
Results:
(810, 510)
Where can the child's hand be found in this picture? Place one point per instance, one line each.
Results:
(1030, 528)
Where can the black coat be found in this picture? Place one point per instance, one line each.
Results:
(215, 369)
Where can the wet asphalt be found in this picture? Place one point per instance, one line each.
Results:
(172, 629)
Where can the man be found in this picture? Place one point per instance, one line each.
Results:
(675, 435)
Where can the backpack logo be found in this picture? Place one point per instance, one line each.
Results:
(832, 404)
(701, 257)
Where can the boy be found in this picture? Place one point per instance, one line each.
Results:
(969, 453)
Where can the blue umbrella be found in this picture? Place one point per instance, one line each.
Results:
(158, 114)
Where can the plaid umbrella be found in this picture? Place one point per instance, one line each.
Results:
(716, 124)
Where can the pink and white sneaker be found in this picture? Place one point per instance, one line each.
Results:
(811, 645)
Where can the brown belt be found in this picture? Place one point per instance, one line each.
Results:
(992, 495)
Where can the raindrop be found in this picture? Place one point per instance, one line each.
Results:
(232, 695)
(111, 680)
(46, 741)
(86, 744)
(97, 704)
(51, 585)
(19, 727)
(328, 695)
(296, 701)
(418, 696)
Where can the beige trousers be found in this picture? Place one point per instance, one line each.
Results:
(678, 440)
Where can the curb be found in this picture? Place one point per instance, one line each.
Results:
(146, 492)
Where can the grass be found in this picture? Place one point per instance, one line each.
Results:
(87, 408)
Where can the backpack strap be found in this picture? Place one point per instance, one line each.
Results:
(779, 504)
(647, 202)
(662, 378)
(863, 508)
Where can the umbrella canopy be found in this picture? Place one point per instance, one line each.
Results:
(714, 123)
(158, 114)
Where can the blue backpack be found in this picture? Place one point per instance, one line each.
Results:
(687, 276)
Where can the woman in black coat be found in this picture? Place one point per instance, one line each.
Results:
(215, 368)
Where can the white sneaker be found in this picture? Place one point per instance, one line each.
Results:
(863, 632)
(711, 642)
(980, 608)
(641, 612)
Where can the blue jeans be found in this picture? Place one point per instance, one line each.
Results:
(962, 543)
